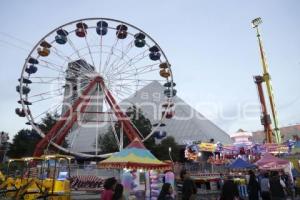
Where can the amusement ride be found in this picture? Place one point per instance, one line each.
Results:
(83, 71)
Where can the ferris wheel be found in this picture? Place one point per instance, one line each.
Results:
(82, 71)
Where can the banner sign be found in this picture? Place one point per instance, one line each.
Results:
(207, 147)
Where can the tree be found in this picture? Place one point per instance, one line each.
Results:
(107, 143)
(48, 122)
(161, 151)
(23, 143)
(25, 140)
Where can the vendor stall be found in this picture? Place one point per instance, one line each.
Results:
(270, 162)
(140, 169)
(239, 164)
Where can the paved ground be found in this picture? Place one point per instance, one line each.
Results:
(85, 196)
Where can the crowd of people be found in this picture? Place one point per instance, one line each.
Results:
(268, 185)
(115, 191)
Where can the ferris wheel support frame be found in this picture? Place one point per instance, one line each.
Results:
(61, 128)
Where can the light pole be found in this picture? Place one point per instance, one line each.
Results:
(170, 150)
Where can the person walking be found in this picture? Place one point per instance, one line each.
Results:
(189, 189)
(118, 194)
(109, 186)
(229, 190)
(265, 187)
(253, 186)
(277, 187)
(166, 192)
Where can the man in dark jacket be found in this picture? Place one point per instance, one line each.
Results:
(189, 189)
(277, 187)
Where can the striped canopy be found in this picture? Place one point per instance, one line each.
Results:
(134, 156)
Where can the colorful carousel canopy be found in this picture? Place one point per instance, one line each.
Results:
(134, 156)
(269, 162)
(241, 164)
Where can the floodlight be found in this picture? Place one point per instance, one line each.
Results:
(256, 22)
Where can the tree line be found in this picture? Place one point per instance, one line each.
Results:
(24, 142)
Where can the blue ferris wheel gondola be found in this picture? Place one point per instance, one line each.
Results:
(61, 37)
(25, 80)
(21, 112)
(25, 102)
(31, 69)
(139, 40)
(169, 84)
(102, 28)
(25, 89)
(168, 93)
(33, 61)
(154, 53)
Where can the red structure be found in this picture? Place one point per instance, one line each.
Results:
(62, 127)
(265, 117)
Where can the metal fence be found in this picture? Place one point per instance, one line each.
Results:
(92, 170)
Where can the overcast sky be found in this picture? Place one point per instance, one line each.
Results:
(210, 44)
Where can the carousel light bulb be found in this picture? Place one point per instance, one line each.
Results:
(256, 22)
(199, 154)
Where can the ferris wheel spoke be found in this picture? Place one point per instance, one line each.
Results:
(69, 60)
(119, 93)
(89, 49)
(128, 85)
(45, 93)
(127, 90)
(136, 70)
(130, 75)
(136, 74)
(109, 56)
(60, 54)
(124, 92)
(131, 62)
(49, 82)
(45, 79)
(54, 108)
(73, 47)
(45, 98)
(70, 71)
(116, 62)
(79, 56)
(52, 66)
(100, 56)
